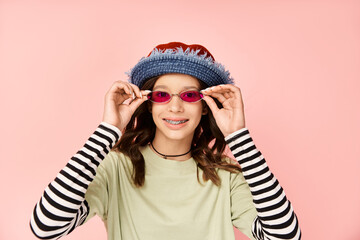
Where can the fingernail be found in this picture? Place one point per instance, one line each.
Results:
(147, 91)
(140, 95)
(133, 95)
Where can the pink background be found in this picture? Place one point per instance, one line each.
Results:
(297, 63)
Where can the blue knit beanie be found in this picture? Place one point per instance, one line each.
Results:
(177, 57)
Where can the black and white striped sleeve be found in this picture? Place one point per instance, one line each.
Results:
(62, 207)
(276, 218)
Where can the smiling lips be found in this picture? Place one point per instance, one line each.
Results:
(175, 123)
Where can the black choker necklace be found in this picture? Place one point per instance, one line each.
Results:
(166, 156)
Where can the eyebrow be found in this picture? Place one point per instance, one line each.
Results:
(186, 87)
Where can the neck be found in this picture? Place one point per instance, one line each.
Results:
(172, 147)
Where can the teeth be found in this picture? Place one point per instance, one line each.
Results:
(175, 122)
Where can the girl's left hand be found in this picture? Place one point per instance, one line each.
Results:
(231, 117)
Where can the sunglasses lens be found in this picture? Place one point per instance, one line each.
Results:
(191, 96)
(159, 96)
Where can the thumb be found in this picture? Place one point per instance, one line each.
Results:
(211, 103)
(136, 103)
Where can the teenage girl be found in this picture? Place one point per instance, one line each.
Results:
(155, 166)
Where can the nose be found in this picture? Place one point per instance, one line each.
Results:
(175, 104)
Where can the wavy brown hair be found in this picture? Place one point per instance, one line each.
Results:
(207, 148)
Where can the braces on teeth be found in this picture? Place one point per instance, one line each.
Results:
(175, 122)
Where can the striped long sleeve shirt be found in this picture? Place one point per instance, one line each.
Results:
(276, 217)
(63, 207)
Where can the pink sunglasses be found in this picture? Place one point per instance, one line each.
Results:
(163, 97)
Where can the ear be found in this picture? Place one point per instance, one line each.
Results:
(205, 111)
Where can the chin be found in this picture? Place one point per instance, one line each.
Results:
(177, 135)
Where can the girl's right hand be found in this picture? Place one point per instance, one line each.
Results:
(118, 113)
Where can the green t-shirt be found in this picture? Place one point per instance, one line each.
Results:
(172, 204)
